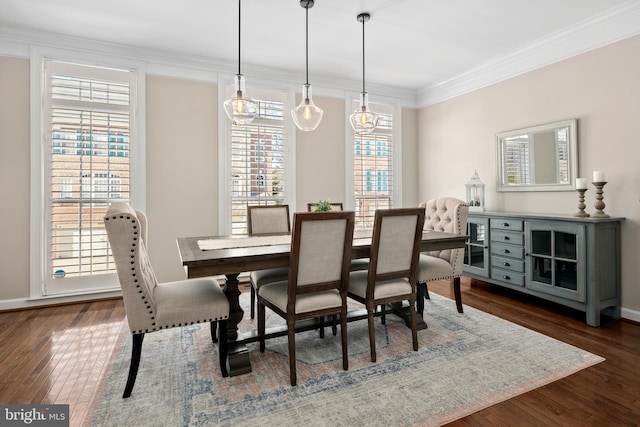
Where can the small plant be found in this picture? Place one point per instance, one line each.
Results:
(323, 206)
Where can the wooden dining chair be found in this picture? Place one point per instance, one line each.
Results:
(261, 220)
(318, 278)
(152, 306)
(393, 267)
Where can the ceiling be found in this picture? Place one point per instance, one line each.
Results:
(410, 44)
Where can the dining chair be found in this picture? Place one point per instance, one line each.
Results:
(269, 219)
(318, 278)
(393, 267)
(446, 214)
(152, 306)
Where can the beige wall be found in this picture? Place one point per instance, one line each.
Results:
(599, 88)
(15, 177)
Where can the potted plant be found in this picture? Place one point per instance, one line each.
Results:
(323, 206)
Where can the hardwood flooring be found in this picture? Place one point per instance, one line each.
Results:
(59, 354)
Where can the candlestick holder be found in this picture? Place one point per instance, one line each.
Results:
(581, 213)
(599, 205)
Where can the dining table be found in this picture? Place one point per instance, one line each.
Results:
(232, 255)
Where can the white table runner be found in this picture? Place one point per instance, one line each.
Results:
(253, 241)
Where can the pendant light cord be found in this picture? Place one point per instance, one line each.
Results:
(307, 41)
(363, 21)
(239, 33)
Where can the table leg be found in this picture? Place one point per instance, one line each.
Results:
(238, 362)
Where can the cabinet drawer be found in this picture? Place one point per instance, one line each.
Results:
(514, 237)
(507, 264)
(507, 250)
(507, 276)
(506, 224)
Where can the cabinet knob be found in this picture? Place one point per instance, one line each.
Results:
(505, 237)
(505, 251)
(505, 224)
(506, 264)
(506, 277)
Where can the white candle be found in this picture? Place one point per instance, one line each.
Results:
(581, 183)
(598, 176)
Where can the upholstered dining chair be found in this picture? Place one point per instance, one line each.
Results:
(449, 215)
(393, 266)
(151, 306)
(269, 219)
(318, 278)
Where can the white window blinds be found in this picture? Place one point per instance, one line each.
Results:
(258, 163)
(374, 171)
(87, 166)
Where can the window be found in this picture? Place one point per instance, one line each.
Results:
(374, 171)
(86, 156)
(257, 155)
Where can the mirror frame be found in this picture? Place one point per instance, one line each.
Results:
(572, 147)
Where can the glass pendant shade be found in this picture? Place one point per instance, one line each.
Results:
(240, 109)
(307, 115)
(364, 121)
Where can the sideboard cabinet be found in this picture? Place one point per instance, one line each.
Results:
(568, 260)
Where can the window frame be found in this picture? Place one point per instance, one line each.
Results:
(40, 107)
(389, 106)
(260, 89)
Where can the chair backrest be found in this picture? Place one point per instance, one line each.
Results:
(127, 234)
(320, 253)
(268, 219)
(336, 206)
(395, 245)
(449, 215)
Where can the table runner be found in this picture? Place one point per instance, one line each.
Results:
(245, 241)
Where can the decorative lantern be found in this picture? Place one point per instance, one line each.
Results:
(475, 193)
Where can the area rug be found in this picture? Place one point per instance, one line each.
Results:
(466, 362)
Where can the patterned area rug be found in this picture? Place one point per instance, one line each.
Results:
(466, 362)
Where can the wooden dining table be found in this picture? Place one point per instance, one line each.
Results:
(232, 255)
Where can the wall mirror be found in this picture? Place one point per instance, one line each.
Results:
(538, 158)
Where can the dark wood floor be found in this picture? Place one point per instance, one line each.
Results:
(58, 355)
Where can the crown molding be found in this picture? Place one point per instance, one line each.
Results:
(19, 43)
(614, 25)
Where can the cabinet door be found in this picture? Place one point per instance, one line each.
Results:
(555, 259)
(476, 252)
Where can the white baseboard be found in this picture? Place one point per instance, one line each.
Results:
(630, 314)
(22, 303)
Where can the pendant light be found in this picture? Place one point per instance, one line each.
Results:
(307, 115)
(363, 121)
(240, 109)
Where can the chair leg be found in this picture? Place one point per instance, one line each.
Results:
(214, 325)
(334, 327)
(372, 333)
(261, 325)
(223, 348)
(291, 335)
(414, 329)
(383, 314)
(136, 351)
(321, 321)
(343, 335)
(458, 294)
(253, 302)
(421, 295)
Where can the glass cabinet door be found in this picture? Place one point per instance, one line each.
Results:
(553, 258)
(476, 256)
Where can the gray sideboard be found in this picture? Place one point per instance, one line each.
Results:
(561, 258)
